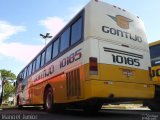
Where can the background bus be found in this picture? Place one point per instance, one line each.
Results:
(100, 56)
(155, 60)
(155, 73)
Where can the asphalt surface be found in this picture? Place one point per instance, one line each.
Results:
(104, 114)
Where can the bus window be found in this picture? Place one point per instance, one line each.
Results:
(38, 62)
(34, 66)
(49, 53)
(55, 48)
(155, 55)
(20, 77)
(65, 40)
(30, 69)
(76, 32)
(25, 73)
(154, 51)
(43, 59)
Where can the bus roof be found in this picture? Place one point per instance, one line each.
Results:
(154, 43)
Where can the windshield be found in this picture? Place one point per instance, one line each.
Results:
(155, 55)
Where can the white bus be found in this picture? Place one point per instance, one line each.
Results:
(100, 56)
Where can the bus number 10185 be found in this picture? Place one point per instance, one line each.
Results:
(125, 60)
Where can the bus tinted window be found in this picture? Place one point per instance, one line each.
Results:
(21, 75)
(48, 53)
(25, 73)
(55, 48)
(65, 40)
(38, 62)
(76, 31)
(42, 58)
(154, 51)
(34, 66)
(30, 69)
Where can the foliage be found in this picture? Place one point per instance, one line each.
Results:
(9, 88)
(6, 73)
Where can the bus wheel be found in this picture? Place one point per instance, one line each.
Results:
(153, 105)
(48, 100)
(18, 105)
(49, 104)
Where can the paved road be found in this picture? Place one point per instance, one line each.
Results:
(104, 114)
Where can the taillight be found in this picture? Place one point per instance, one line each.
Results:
(93, 66)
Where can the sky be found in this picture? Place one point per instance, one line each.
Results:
(21, 22)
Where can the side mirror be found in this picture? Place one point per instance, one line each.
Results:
(14, 84)
(158, 72)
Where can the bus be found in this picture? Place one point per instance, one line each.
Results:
(100, 56)
(155, 73)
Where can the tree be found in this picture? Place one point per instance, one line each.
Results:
(6, 73)
(8, 87)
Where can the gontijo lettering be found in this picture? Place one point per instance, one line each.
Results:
(121, 33)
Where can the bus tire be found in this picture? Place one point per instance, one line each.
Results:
(49, 104)
(154, 105)
(48, 100)
(18, 105)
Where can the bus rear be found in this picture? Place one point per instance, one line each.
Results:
(117, 60)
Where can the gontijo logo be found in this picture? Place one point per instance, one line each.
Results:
(121, 21)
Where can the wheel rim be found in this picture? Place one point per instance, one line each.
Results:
(49, 100)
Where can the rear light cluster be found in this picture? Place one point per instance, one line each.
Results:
(93, 66)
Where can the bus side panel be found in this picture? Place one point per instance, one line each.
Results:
(55, 74)
(37, 93)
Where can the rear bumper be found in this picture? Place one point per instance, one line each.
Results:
(118, 90)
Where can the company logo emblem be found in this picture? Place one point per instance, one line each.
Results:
(127, 72)
(121, 21)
